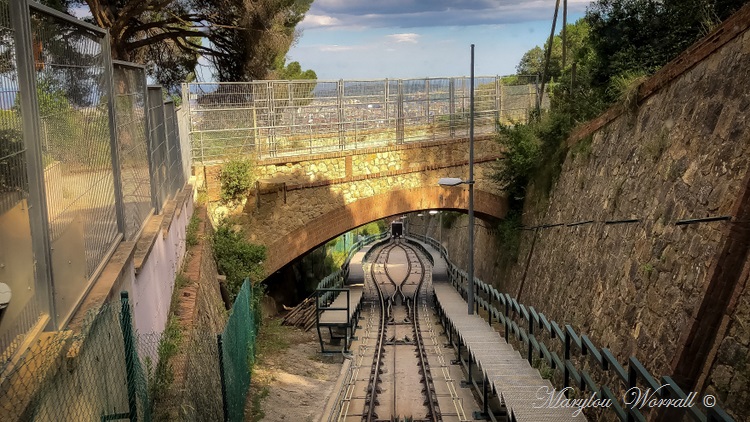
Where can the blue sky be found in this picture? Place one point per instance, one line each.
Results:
(375, 39)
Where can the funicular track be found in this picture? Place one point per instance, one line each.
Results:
(399, 345)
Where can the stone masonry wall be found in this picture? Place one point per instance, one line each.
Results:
(370, 162)
(295, 194)
(646, 288)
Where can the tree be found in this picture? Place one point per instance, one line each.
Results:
(241, 38)
(631, 36)
(532, 62)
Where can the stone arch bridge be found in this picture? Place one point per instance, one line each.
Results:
(299, 203)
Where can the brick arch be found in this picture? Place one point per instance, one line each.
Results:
(350, 216)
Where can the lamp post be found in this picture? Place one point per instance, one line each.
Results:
(455, 181)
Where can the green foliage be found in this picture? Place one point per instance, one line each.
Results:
(532, 62)
(236, 178)
(237, 258)
(161, 377)
(293, 71)
(643, 35)
(521, 158)
(625, 87)
(582, 148)
(647, 268)
(191, 233)
(12, 168)
(373, 227)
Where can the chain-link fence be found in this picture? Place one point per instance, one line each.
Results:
(93, 375)
(237, 352)
(108, 371)
(77, 174)
(277, 118)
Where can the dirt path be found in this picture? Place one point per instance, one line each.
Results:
(291, 381)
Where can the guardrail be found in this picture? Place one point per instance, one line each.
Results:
(537, 333)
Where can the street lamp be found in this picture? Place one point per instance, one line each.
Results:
(455, 181)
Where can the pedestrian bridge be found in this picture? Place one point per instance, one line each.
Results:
(331, 156)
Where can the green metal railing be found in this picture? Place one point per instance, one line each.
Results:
(539, 334)
(335, 280)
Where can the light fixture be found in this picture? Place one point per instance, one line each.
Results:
(450, 181)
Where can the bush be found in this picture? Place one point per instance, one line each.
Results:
(12, 168)
(236, 179)
(523, 150)
(191, 233)
(237, 258)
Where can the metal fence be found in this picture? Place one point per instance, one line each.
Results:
(280, 118)
(95, 375)
(237, 352)
(87, 153)
(572, 356)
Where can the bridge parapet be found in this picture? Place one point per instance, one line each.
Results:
(267, 119)
(301, 202)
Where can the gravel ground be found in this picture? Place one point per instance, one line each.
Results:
(291, 381)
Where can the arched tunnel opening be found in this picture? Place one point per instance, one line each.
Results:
(298, 280)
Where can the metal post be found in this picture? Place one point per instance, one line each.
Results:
(109, 88)
(151, 142)
(564, 33)
(470, 281)
(497, 99)
(400, 113)
(452, 106)
(44, 281)
(340, 105)
(222, 376)
(427, 98)
(385, 102)
(159, 142)
(126, 325)
(272, 148)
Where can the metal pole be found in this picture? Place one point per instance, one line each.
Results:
(114, 147)
(38, 217)
(222, 377)
(126, 325)
(470, 281)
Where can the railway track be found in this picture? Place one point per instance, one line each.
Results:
(400, 346)
(400, 387)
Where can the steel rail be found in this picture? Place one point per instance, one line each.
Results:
(374, 376)
(434, 410)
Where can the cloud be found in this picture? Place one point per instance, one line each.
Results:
(335, 48)
(427, 13)
(407, 38)
(312, 21)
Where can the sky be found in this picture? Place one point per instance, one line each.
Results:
(376, 39)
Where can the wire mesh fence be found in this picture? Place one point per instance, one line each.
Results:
(237, 352)
(92, 375)
(16, 252)
(75, 170)
(108, 371)
(132, 132)
(278, 118)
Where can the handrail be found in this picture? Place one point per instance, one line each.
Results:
(336, 279)
(530, 326)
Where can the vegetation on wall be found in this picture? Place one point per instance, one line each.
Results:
(611, 52)
(236, 178)
(237, 258)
